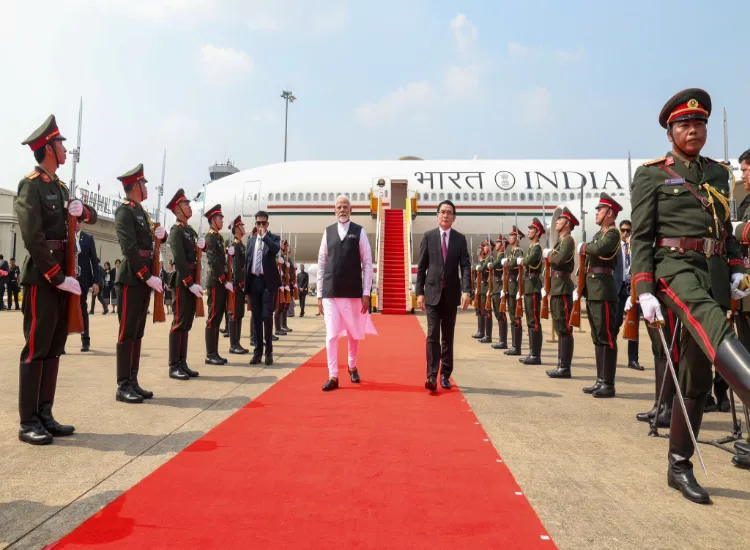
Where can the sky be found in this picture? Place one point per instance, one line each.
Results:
(437, 79)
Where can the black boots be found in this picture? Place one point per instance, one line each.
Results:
(535, 349)
(31, 430)
(284, 326)
(609, 368)
(665, 414)
(125, 391)
(515, 334)
(732, 361)
(47, 399)
(598, 383)
(85, 343)
(175, 349)
(279, 331)
(235, 327)
(487, 338)
(565, 357)
(480, 327)
(680, 475)
(184, 336)
(212, 347)
(134, 372)
(502, 326)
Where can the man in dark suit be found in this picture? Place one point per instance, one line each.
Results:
(90, 278)
(303, 282)
(262, 282)
(442, 255)
(4, 271)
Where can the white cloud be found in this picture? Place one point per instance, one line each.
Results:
(221, 64)
(414, 96)
(169, 10)
(536, 105)
(321, 17)
(464, 32)
(566, 55)
(463, 82)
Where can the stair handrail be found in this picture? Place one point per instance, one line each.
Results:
(378, 238)
(407, 248)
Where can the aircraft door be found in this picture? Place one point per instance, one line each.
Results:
(251, 198)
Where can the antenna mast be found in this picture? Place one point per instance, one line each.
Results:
(726, 139)
(76, 153)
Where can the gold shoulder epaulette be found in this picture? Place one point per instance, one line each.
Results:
(655, 161)
(62, 184)
(32, 175)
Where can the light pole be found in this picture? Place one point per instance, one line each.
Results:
(288, 96)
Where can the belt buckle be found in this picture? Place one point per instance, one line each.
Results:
(708, 247)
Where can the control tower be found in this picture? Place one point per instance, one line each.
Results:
(220, 170)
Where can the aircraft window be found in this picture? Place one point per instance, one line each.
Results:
(450, 196)
(546, 196)
(307, 197)
(315, 197)
(286, 197)
(555, 197)
(386, 193)
(466, 196)
(506, 197)
(362, 197)
(588, 195)
(270, 197)
(278, 196)
(293, 196)
(442, 196)
(497, 197)
(473, 196)
(331, 197)
(514, 196)
(523, 196)
(539, 196)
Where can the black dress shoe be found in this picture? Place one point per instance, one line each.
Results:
(354, 375)
(256, 359)
(269, 358)
(331, 384)
(485, 340)
(287, 329)
(85, 347)
(238, 350)
(431, 383)
(559, 372)
(214, 359)
(445, 382)
(635, 365)
(274, 337)
(177, 373)
(684, 481)
(187, 370)
(51, 425)
(34, 433)
(743, 447)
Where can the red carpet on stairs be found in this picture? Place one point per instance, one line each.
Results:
(382, 464)
(393, 271)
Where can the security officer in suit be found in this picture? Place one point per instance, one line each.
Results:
(512, 254)
(14, 274)
(135, 282)
(495, 264)
(43, 208)
(90, 278)
(533, 271)
(239, 256)
(601, 292)
(4, 279)
(184, 243)
(684, 251)
(561, 264)
(216, 282)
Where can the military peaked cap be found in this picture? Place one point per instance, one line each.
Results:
(237, 221)
(692, 103)
(607, 201)
(133, 176)
(44, 134)
(214, 211)
(566, 213)
(539, 226)
(177, 199)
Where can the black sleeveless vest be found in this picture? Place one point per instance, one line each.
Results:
(343, 274)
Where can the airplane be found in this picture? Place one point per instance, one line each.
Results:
(490, 195)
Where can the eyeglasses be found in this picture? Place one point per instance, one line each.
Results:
(446, 212)
(625, 230)
(261, 224)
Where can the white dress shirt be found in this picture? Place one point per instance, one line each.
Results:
(365, 256)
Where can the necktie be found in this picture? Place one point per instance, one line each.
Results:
(258, 258)
(445, 246)
(627, 257)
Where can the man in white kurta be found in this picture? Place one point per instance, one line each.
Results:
(343, 283)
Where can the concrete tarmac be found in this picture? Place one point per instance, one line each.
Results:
(587, 466)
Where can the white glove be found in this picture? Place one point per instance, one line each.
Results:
(201, 243)
(230, 251)
(75, 209)
(629, 303)
(504, 261)
(160, 232)
(229, 286)
(70, 285)
(519, 261)
(281, 261)
(155, 283)
(196, 289)
(650, 307)
(546, 252)
(544, 293)
(575, 294)
(502, 294)
(286, 288)
(734, 290)
(579, 247)
(518, 295)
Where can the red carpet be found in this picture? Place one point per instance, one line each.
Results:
(380, 465)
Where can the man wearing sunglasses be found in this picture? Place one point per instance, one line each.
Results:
(626, 229)
(262, 282)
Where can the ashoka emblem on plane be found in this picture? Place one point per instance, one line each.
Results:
(505, 180)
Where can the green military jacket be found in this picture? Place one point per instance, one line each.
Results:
(41, 207)
(562, 258)
(238, 263)
(664, 208)
(485, 276)
(512, 255)
(216, 253)
(182, 242)
(742, 235)
(601, 253)
(532, 265)
(495, 264)
(135, 235)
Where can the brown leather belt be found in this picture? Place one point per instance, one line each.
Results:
(560, 274)
(602, 270)
(709, 247)
(532, 275)
(56, 246)
(513, 277)
(146, 253)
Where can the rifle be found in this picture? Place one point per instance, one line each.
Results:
(159, 316)
(199, 311)
(504, 299)
(630, 332)
(519, 302)
(488, 301)
(547, 285)
(230, 295)
(294, 282)
(575, 315)
(75, 314)
(478, 285)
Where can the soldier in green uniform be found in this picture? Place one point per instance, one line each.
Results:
(532, 298)
(184, 243)
(476, 268)
(600, 292)
(496, 269)
(512, 254)
(684, 251)
(135, 282)
(239, 254)
(216, 283)
(484, 268)
(43, 207)
(561, 264)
